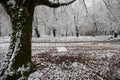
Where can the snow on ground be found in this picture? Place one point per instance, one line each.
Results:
(90, 62)
(81, 39)
(72, 39)
(80, 61)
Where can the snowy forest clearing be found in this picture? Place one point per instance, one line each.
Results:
(87, 60)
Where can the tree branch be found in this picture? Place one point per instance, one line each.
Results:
(85, 6)
(108, 7)
(54, 5)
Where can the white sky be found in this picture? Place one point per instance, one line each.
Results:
(89, 3)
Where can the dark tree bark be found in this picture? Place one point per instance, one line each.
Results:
(96, 29)
(115, 34)
(77, 31)
(36, 26)
(18, 63)
(66, 32)
(37, 32)
(54, 32)
(0, 30)
(76, 27)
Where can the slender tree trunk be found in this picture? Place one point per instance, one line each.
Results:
(0, 30)
(77, 31)
(18, 62)
(37, 32)
(36, 26)
(96, 28)
(66, 32)
(76, 27)
(54, 32)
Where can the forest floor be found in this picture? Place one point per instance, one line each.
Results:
(83, 58)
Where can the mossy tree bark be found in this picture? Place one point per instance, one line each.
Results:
(18, 62)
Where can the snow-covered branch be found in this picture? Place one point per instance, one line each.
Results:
(52, 4)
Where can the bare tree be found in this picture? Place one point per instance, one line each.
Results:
(0, 29)
(36, 26)
(76, 26)
(95, 27)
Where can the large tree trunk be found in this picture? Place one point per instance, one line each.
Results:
(18, 62)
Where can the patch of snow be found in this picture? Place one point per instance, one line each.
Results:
(35, 76)
(61, 49)
(118, 73)
(75, 64)
(11, 2)
(21, 9)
